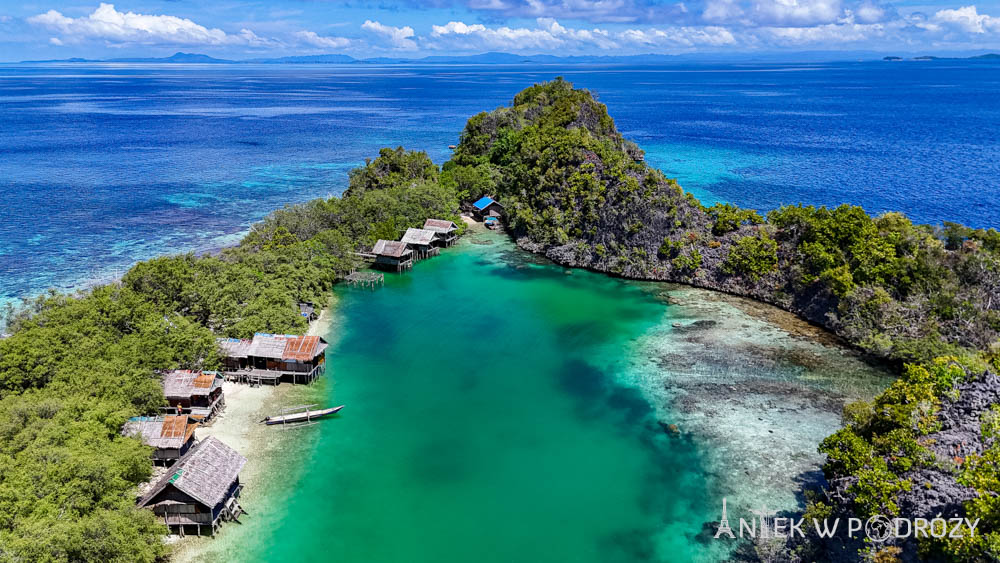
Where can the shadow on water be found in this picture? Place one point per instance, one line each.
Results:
(673, 490)
(598, 395)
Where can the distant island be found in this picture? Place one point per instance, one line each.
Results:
(511, 59)
(484, 58)
(988, 56)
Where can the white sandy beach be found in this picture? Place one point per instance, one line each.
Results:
(239, 426)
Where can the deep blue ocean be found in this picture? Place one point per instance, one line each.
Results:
(104, 165)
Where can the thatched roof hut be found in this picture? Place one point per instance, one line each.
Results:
(282, 354)
(171, 436)
(392, 255)
(420, 242)
(444, 231)
(193, 392)
(200, 490)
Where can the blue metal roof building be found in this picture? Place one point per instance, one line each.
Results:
(484, 202)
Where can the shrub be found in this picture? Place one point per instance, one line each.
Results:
(687, 262)
(753, 256)
(728, 218)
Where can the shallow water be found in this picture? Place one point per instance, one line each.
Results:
(502, 409)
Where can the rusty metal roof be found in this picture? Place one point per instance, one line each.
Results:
(162, 431)
(286, 347)
(303, 348)
(183, 384)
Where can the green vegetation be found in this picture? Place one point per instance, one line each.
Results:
(729, 218)
(889, 443)
(754, 257)
(76, 367)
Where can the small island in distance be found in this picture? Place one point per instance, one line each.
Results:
(987, 56)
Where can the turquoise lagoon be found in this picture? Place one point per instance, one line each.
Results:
(500, 408)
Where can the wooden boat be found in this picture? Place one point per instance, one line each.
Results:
(301, 416)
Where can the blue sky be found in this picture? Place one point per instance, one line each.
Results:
(414, 28)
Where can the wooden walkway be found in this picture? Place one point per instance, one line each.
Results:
(257, 377)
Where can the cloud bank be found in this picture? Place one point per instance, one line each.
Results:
(616, 27)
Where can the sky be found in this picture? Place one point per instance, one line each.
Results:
(239, 29)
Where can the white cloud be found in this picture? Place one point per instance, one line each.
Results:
(720, 24)
(868, 13)
(326, 42)
(400, 38)
(549, 34)
(679, 37)
(967, 19)
(601, 11)
(721, 11)
(822, 34)
(110, 25)
(796, 12)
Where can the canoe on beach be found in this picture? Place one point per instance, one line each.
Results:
(301, 416)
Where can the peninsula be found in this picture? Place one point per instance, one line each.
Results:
(574, 190)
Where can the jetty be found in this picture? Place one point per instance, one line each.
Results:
(369, 280)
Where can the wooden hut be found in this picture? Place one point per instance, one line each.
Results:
(487, 207)
(421, 242)
(392, 255)
(444, 231)
(234, 352)
(170, 436)
(270, 357)
(200, 491)
(198, 393)
(308, 310)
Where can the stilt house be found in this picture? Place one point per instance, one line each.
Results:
(487, 207)
(198, 393)
(420, 241)
(200, 491)
(269, 357)
(171, 436)
(392, 255)
(444, 231)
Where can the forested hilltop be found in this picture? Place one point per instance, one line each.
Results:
(927, 298)
(76, 367)
(578, 192)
